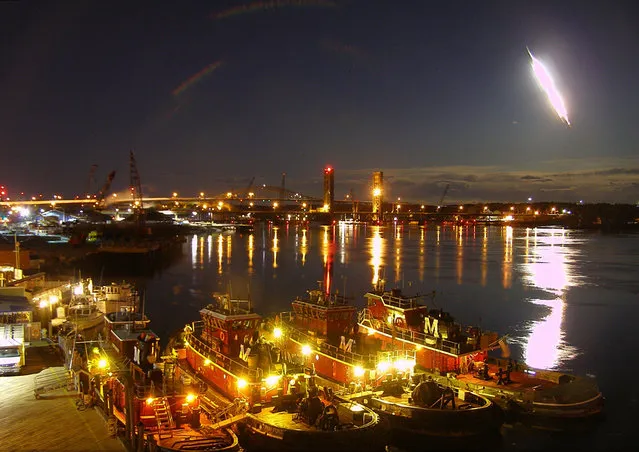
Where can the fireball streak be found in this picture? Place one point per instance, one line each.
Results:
(547, 83)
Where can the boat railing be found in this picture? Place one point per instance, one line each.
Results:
(286, 316)
(324, 299)
(356, 359)
(394, 355)
(366, 318)
(218, 358)
(399, 302)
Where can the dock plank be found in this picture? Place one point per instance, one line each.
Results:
(49, 423)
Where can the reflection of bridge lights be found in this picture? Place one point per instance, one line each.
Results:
(376, 252)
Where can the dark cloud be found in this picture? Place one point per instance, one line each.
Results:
(609, 183)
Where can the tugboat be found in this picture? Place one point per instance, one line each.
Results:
(458, 357)
(283, 409)
(156, 409)
(320, 330)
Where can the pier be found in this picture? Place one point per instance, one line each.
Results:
(53, 421)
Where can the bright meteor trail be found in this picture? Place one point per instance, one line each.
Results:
(545, 80)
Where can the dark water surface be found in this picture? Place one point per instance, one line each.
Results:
(568, 299)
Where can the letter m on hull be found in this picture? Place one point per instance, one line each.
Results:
(431, 326)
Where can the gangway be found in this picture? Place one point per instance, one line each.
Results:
(52, 379)
(230, 414)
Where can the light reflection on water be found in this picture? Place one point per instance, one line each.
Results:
(377, 255)
(547, 266)
(528, 267)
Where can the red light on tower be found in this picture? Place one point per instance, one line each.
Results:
(328, 169)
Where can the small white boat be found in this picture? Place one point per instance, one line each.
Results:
(83, 313)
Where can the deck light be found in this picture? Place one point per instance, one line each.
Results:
(277, 332)
(241, 383)
(102, 363)
(306, 350)
(358, 371)
(190, 398)
(383, 366)
(272, 380)
(404, 364)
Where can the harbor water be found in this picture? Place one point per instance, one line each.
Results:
(568, 299)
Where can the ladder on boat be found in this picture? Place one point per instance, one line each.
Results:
(163, 417)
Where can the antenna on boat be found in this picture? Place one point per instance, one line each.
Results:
(143, 308)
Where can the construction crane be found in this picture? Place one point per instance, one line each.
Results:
(91, 179)
(441, 200)
(283, 187)
(136, 192)
(100, 195)
(135, 187)
(249, 188)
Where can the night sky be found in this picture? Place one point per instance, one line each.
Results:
(210, 94)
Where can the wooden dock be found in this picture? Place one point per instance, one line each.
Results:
(50, 423)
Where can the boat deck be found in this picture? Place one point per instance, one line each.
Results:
(520, 381)
(403, 400)
(204, 438)
(293, 421)
(283, 420)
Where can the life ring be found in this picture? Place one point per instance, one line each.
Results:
(222, 336)
(399, 322)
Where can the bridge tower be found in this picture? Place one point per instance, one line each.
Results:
(378, 195)
(329, 189)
